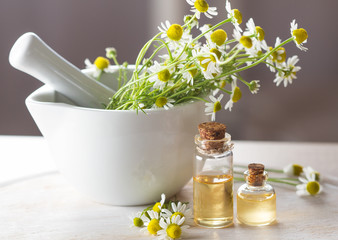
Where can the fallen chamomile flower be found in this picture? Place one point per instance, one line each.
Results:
(158, 206)
(179, 209)
(138, 219)
(152, 223)
(309, 171)
(171, 228)
(165, 220)
(292, 170)
(309, 186)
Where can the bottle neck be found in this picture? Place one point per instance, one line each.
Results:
(255, 180)
(214, 147)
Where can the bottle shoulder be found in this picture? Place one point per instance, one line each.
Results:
(265, 190)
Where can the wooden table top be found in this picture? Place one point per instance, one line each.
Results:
(36, 202)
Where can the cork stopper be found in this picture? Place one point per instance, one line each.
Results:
(212, 131)
(256, 175)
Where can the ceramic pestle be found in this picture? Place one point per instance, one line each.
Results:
(34, 57)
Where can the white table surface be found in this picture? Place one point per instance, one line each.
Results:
(37, 203)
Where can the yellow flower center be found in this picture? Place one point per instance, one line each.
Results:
(174, 231)
(222, 84)
(101, 63)
(260, 33)
(204, 65)
(154, 226)
(164, 75)
(158, 102)
(297, 169)
(313, 187)
(217, 106)
(201, 5)
(176, 214)
(138, 222)
(317, 176)
(238, 16)
(192, 72)
(175, 32)
(246, 41)
(279, 55)
(236, 95)
(300, 35)
(218, 54)
(219, 36)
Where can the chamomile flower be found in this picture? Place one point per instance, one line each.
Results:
(193, 22)
(174, 34)
(245, 41)
(180, 209)
(158, 206)
(204, 30)
(254, 86)
(209, 61)
(171, 228)
(163, 102)
(235, 96)
(111, 52)
(292, 170)
(201, 6)
(101, 64)
(276, 58)
(309, 185)
(288, 73)
(216, 39)
(213, 106)
(309, 171)
(152, 223)
(138, 219)
(235, 15)
(189, 75)
(161, 75)
(299, 34)
(258, 40)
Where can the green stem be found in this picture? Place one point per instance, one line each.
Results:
(257, 62)
(212, 28)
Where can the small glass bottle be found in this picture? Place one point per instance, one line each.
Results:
(213, 177)
(256, 200)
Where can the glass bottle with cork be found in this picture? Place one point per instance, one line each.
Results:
(213, 176)
(256, 200)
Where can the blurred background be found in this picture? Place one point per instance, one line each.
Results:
(307, 110)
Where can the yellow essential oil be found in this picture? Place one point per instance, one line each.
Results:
(213, 200)
(256, 210)
(213, 176)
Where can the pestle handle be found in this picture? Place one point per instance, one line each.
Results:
(34, 57)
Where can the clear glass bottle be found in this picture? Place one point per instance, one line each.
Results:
(256, 200)
(213, 177)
